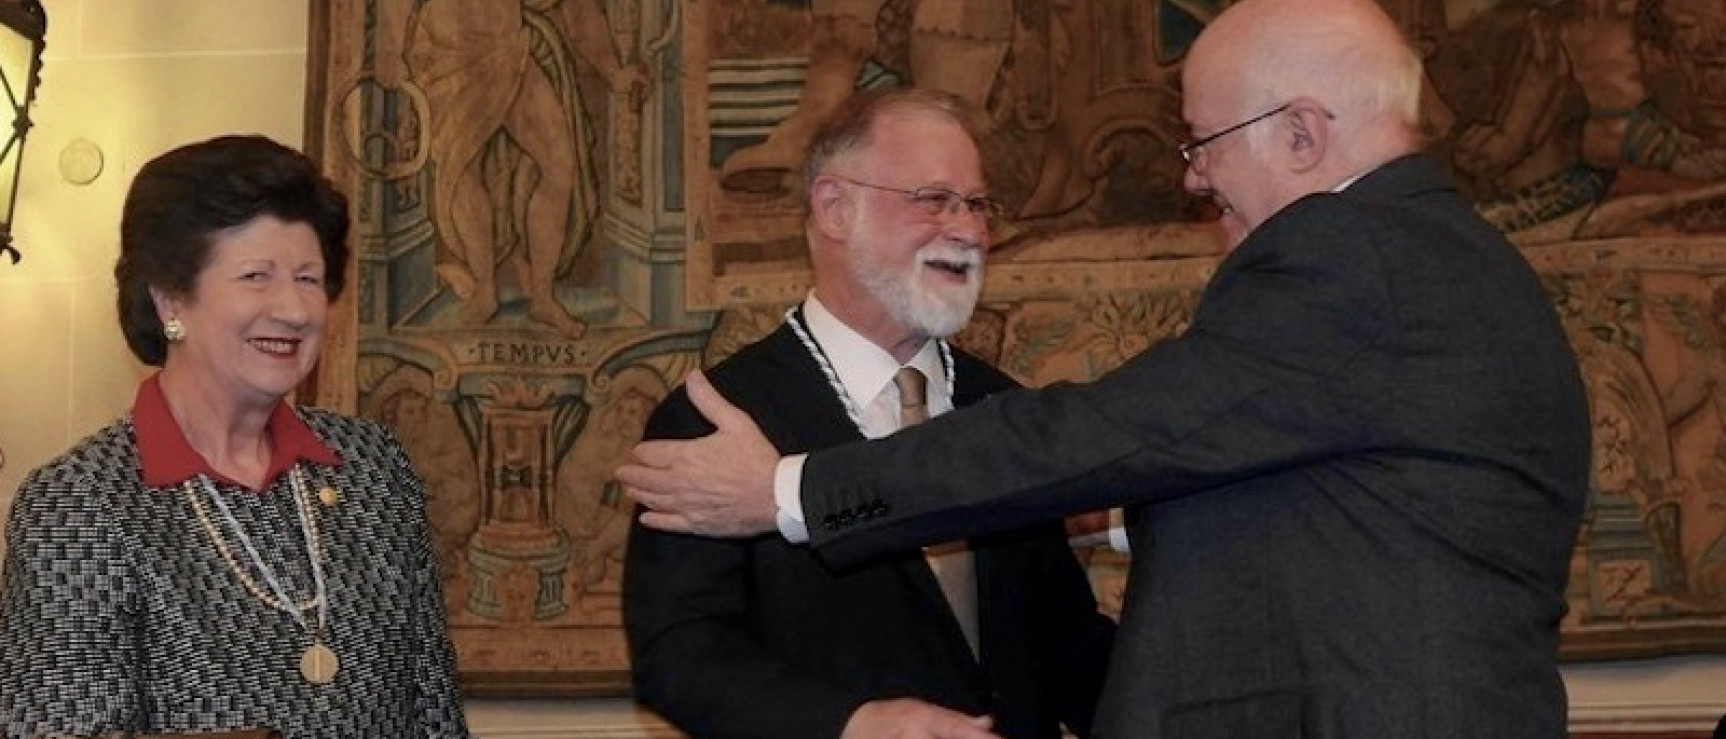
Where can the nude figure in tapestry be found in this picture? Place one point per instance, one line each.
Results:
(1701, 327)
(1691, 34)
(483, 85)
(1588, 48)
(590, 507)
(956, 46)
(445, 462)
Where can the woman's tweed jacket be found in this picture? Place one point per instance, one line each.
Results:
(118, 613)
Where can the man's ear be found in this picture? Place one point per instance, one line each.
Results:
(1309, 133)
(830, 212)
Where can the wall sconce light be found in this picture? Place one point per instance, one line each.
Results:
(23, 36)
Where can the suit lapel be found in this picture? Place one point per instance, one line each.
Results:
(813, 413)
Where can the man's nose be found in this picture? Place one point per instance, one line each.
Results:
(967, 226)
(1194, 181)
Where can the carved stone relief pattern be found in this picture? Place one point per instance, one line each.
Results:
(562, 206)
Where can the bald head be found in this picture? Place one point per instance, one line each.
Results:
(1286, 98)
(1346, 54)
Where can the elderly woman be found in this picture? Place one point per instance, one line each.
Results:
(218, 559)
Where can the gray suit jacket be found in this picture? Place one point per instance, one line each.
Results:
(118, 615)
(1353, 484)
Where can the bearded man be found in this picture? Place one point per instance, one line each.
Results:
(758, 637)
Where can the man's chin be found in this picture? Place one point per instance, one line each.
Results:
(1234, 231)
(949, 317)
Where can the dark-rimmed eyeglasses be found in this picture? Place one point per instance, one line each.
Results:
(938, 200)
(1193, 152)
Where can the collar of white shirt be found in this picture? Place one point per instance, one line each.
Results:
(866, 370)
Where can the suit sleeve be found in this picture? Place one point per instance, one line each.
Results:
(694, 658)
(440, 706)
(1259, 382)
(69, 646)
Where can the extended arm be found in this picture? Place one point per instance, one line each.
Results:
(1261, 382)
(1257, 384)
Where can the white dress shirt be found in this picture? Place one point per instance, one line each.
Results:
(866, 371)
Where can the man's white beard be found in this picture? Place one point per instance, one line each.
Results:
(933, 311)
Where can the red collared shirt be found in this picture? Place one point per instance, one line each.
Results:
(169, 459)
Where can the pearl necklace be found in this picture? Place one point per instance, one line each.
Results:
(318, 664)
(794, 319)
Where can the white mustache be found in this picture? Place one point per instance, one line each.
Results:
(951, 254)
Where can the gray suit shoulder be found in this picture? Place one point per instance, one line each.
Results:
(95, 457)
(342, 431)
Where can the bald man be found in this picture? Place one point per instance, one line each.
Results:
(1352, 485)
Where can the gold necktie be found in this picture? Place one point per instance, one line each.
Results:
(913, 396)
(954, 567)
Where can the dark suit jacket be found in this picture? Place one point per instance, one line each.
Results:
(759, 638)
(1354, 483)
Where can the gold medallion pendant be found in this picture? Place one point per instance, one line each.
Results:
(319, 664)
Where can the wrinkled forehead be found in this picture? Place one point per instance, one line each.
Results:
(926, 147)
